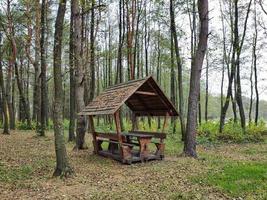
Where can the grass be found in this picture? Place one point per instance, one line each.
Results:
(224, 171)
(239, 179)
(11, 175)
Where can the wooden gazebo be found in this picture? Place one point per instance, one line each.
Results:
(144, 98)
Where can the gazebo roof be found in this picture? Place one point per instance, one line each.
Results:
(142, 96)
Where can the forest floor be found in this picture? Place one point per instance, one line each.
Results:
(223, 171)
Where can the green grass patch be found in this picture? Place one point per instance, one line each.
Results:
(11, 175)
(238, 179)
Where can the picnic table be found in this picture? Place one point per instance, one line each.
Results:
(143, 141)
(129, 141)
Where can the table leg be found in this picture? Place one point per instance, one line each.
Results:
(143, 142)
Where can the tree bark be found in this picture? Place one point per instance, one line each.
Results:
(207, 87)
(190, 140)
(255, 65)
(92, 52)
(180, 70)
(43, 70)
(72, 81)
(79, 75)
(2, 87)
(36, 114)
(62, 164)
(121, 42)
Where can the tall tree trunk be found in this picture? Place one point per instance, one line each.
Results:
(121, 42)
(251, 88)
(239, 50)
(36, 114)
(92, 52)
(2, 88)
(43, 70)
(131, 15)
(72, 81)
(79, 75)
(158, 64)
(255, 39)
(172, 84)
(207, 86)
(25, 105)
(180, 70)
(11, 112)
(62, 164)
(235, 69)
(190, 140)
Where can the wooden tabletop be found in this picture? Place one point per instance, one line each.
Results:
(137, 135)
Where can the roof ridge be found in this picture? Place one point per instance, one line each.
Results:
(128, 82)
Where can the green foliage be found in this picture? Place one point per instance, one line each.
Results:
(1, 125)
(238, 179)
(232, 132)
(24, 126)
(50, 125)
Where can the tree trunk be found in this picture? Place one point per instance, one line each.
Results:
(121, 42)
(36, 114)
(190, 140)
(172, 84)
(43, 70)
(251, 88)
(207, 87)
(72, 81)
(180, 70)
(62, 164)
(131, 15)
(11, 113)
(2, 87)
(79, 75)
(92, 52)
(255, 65)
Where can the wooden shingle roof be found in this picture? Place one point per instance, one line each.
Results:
(142, 96)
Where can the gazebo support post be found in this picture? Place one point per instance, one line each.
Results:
(161, 146)
(125, 151)
(92, 130)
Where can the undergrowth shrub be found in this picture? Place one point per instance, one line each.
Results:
(24, 125)
(232, 132)
(50, 124)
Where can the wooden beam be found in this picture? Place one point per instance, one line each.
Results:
(92, 130)
(118, 125)
(167, 106)
(146, 93)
